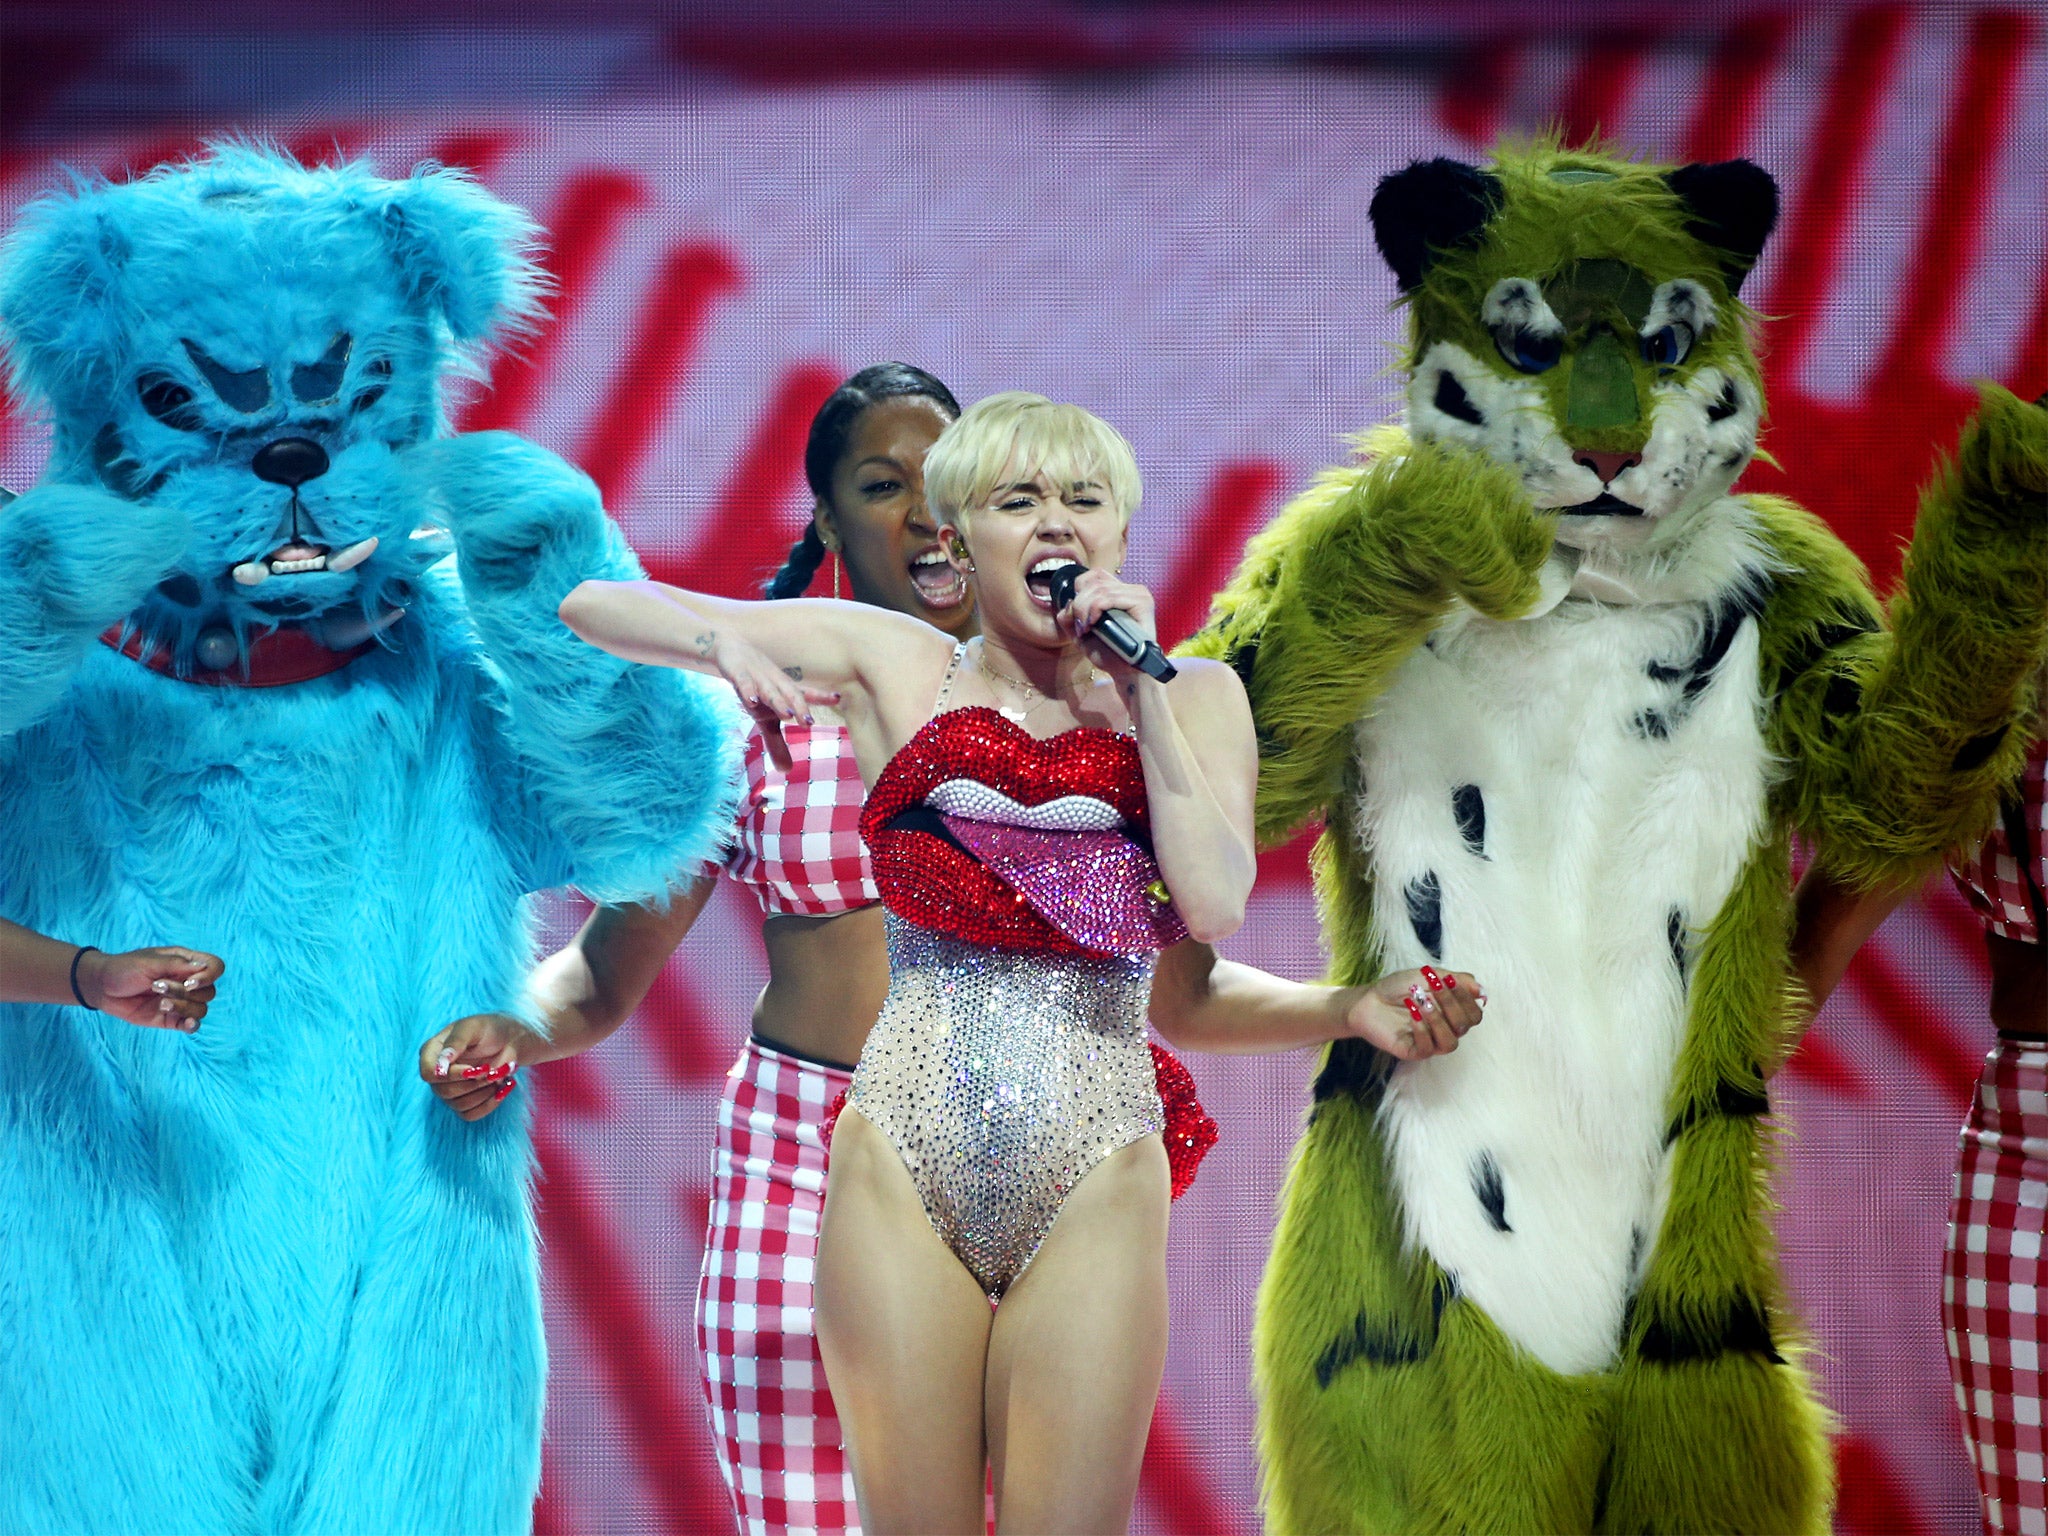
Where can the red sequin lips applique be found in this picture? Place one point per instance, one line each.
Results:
(924, 870)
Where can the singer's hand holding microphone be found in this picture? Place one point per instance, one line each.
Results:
(1116, 613)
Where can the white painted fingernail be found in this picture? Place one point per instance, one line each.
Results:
(160, 987)
(441, 1062)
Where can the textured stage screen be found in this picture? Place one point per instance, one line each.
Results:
(1161, 216)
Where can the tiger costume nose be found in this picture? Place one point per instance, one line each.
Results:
(1606, 465)
(290, 461)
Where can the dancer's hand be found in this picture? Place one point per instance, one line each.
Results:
(1413, 1015)
(167, 987)
(471, 1064)
(770, 693)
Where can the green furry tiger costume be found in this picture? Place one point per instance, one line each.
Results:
(1560, 700)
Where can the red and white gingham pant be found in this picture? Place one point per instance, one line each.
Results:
(772, 1417)
(1992, 1299)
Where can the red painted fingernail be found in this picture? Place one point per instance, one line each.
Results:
(477, 1071)
(1414, 1009)
(1451, 982)
(1436, 982)
(499, 1096)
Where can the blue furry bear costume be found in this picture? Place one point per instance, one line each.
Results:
(257, 1279)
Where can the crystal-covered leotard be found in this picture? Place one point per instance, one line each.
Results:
(1024, 913)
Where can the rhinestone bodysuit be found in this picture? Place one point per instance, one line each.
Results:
(1023, 919)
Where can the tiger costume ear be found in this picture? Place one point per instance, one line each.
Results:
(1733, 205)
(1431, 207)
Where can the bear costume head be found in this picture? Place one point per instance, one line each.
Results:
(253, 344)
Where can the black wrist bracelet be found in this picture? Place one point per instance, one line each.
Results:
(83, 950)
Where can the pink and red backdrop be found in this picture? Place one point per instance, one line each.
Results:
(1160, 214)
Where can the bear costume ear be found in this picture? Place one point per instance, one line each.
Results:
(463, 252)
(1733, 204)
(1431, 207)
(59, 273)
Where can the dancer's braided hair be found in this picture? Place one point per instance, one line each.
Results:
(830, 429)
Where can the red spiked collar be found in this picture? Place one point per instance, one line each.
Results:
(276, 659)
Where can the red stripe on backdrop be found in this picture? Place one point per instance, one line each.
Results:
(1918, 1029)
(583, 226)
(570, 1086)
(476, 150)
(1723, 116)
(588, 1268)
(1818, 1061)
(1235, 506)
(665, 341)
(1956, 208)
(1874, 1499)
(1597, 93)
(1176, 1482)
(332, 145)
(754, 520)
(678, 1027)
(1475, 89)
(1821, 208)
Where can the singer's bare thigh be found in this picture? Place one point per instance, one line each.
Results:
(903, 1329)
(1076, 1355)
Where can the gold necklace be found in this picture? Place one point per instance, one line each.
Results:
(1029, 690)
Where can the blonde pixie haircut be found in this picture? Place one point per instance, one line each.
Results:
(1016, 436)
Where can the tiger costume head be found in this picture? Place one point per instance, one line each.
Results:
(1575, 316)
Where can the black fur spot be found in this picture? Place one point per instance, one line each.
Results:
(1469, 806)
(1674, 932)
(1977, 749)
(1452, 400)
(1817, 642)
(1243, 659)
(1353, 1067)
(1638, 1240)
(1432, 207)
(1733, 204)
(1741, 1328)
(1380, 1343)
(1426, 913)
(1734, 1101)
(1727, 405)
(1844, 694)
(180, 589)
(1493, 1199)
(1693, 675)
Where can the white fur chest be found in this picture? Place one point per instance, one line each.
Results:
(1556, 806)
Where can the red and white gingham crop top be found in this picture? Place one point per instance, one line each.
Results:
(797, 841)
(2004, 880)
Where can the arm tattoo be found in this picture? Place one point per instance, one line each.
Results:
(795, 674)
(706, 642)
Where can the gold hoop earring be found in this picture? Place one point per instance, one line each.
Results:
(835, 575)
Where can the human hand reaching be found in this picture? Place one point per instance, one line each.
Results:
(165, 987)
(471, 1065)
(1413, 1015)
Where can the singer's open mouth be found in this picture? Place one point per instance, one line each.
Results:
(1038, 580)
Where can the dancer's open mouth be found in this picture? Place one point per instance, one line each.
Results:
(937, 583)
(297, 559)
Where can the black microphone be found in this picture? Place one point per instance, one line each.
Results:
(1114, 629)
